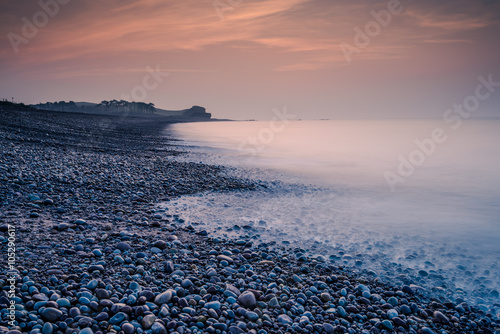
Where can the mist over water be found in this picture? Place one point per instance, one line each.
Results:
(333, 196)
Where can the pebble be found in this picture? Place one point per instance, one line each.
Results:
(163, 298)
(107, 268)
(387, 324)
(247, 299)
(284, 319)
(51, 314)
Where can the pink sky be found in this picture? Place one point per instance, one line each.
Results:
(255, 55)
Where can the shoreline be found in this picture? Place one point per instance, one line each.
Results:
(81, 191)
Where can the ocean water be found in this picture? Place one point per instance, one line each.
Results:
(410, 201)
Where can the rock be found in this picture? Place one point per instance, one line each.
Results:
(95, 267)
(392, 313)
(393, 301)
(273, 303)
(387, 325)
(328, 328)
(160, 244)
(158, 328)
(40, 297)
(427, 330)
(87, 330)
(423, 273)
(62, 226)
(169, 267)
(407, 290)
(102, 294)
(211, 272)
(440, 317)
(85, 322)
(233, 289)
(284, 319)
(399, 322)
(252, 316)
(325, 297)
(186, 283)
(123, 246)
(118, 318)
(102, 316)
(247, 299)
(225, 258)
(163, 298)
(148, 321)
(47, 328)
(215, 305)
(341, 311)
(92, 284)
(128, 328)
(51, 314)
(236, 330)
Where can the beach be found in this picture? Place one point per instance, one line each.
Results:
(93, 252)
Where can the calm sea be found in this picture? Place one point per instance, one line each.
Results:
(414, 200)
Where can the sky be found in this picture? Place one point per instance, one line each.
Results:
(245, 59)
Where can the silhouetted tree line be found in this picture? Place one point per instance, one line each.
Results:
(109, 107)
(6, 105)
(125, 106)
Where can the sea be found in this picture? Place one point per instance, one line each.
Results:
(405, 201)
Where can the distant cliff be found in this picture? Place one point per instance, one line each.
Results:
(197, 111)
(193, 112)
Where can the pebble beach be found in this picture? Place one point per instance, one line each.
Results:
(93, 253)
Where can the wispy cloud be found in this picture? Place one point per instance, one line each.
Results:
(305, 34)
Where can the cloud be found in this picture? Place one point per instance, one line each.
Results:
(305, 34)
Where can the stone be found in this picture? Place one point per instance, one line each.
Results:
(247, 299)
(328, 328)
(342, 312)
(225, 258)
(87, 330)
(158, 328)
(128, 328)
(392, 313)
(387, 325)
(123, 246)
(325, 297)
(96, 267)
(273, 303)
(148, 321)
(118, 318)
(440, 317)
(51, 314)
(215, 305)
(284, 319)
(169, 267)
(252, 316)
(47, 328)
(160, 244)
(102, 294)
(163, 298)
